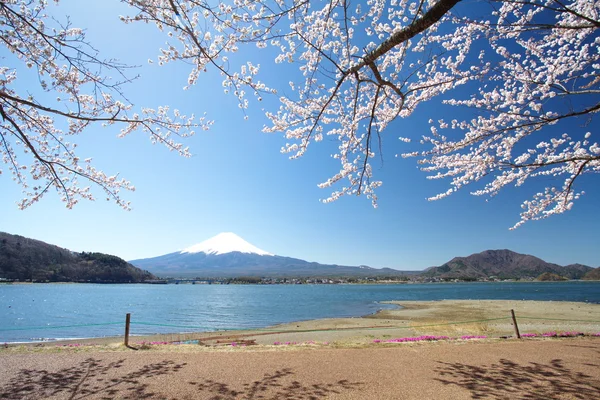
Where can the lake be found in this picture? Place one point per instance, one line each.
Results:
(35, 312)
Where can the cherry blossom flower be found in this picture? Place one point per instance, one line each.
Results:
(529, 71)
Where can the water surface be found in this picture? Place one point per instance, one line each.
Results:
(31, 312)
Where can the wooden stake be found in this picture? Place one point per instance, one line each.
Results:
(127, 322)
(514, 319)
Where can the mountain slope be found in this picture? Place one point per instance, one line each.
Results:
(236, 264)
(504, 264)
(227, 255)
(27, 259)
(593, 275)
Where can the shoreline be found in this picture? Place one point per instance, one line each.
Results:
(382, 282)
(257, 331)
(410, 318)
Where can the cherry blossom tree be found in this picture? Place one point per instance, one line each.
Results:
(529, 69)
(35, 133)
(524, 71)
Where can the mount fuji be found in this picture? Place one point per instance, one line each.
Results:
(224, 243)
(228, 255)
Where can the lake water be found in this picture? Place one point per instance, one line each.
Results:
(33, 312)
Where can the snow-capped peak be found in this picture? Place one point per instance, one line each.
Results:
(225, 242)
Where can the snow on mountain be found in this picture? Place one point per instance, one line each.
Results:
(223, 243)
(227, 255)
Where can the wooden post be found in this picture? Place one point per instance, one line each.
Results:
(514, 319)
(127, 322)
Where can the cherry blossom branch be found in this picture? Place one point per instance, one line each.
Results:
(433, 15)
(69, 66)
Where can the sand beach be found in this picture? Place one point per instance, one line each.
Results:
(532, 369)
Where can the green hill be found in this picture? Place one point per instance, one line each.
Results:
(28, 260)
(550, 277)
(593, 275)
(502, 264)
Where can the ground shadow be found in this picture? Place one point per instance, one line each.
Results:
(277, 385)
(89, 378)
(510, 380)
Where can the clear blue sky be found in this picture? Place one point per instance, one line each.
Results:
(238, 181)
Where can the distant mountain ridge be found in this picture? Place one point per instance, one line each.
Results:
(503, 264)
(25, 259)
(235, 264)
(228, 255)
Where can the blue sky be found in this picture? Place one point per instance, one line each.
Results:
(238, 181)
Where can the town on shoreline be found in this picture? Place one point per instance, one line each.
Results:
(251, 280)
(328, 280)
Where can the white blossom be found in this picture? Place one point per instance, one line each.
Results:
(530, 70)
(35, 138)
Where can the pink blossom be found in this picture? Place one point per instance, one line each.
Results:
(526, 335)
(469, 337)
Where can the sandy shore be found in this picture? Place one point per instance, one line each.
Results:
(413, 318)
(509, 369)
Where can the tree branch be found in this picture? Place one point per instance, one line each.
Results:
(432, 16)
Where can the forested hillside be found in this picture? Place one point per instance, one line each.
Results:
(502, 264)
(23, 259)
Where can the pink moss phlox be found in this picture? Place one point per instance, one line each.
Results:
(571, 334)
(295, 343)
(563, 334)
(469, 337)
(417, 339)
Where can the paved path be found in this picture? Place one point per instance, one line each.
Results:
(548, 369)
